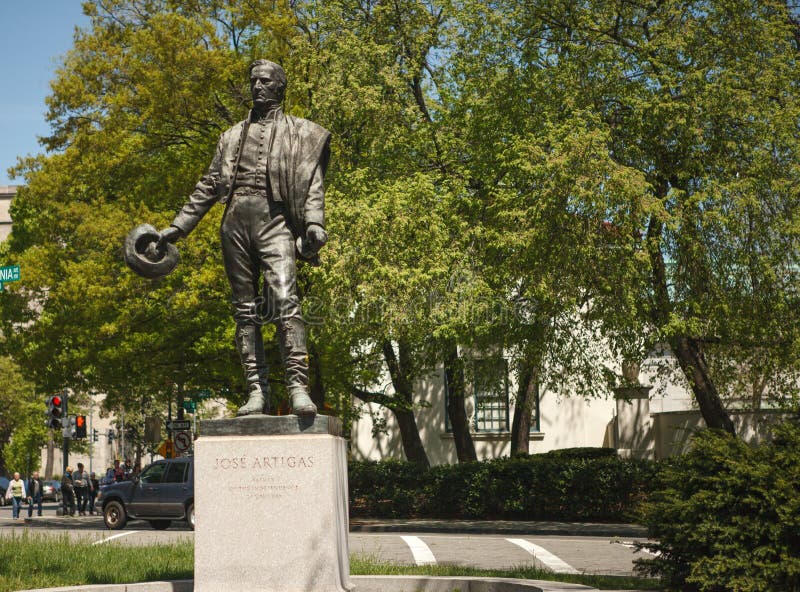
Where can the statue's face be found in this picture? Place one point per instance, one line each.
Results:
(265, 86)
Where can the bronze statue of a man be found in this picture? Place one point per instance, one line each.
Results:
(268, 170)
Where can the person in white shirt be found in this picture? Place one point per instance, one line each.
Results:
(16, 493)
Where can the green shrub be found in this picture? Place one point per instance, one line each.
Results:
(584, 452)
(387, 489)
(538, 487)
(727, 516)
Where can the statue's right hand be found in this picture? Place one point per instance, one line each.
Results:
(168, 235)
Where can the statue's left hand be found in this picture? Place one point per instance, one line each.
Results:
(316, 237)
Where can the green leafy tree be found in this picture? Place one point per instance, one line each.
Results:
(24, 452)
(648, 168)
(20, 415)
(548, 181)
(133, 125)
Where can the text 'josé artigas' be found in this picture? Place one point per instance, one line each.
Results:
(263, 462)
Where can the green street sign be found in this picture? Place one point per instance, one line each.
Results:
(9, 273)
(189, 406)
(200, 395)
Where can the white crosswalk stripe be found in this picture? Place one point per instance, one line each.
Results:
(550, 561)
(116, 536)
(422, 553)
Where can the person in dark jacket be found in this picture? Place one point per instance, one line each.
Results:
(68, 493)
(95, 489)
(80, 480)
(35, 490)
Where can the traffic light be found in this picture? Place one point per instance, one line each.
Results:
(110, 436)
(55, 411)
(72, 427)
(80, 426)
(95, 435)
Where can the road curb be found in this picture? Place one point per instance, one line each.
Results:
(499, 528)
(364, 584)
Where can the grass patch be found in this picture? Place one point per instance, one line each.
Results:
(37, 560)
(370, 566)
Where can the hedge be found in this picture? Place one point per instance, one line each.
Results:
(573, 486)
(727, 516)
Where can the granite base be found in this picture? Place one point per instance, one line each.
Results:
(270, 510)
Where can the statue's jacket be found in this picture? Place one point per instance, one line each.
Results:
(299, 154)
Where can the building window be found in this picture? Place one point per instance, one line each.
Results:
(490, 391)
(490, 397)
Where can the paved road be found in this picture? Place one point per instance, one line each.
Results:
(583, 554)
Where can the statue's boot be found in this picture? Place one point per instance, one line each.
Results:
(250, 344)
(292, 334)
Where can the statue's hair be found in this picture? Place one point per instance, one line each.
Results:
(281, 73)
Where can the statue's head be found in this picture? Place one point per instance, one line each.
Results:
(267, 83)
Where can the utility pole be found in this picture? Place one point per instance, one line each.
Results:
(91, 431)
(65, 435)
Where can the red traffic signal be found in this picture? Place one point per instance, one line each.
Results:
(80, 426)
(55, 411)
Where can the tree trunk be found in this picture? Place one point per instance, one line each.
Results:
(4, 438)
(688, 350)
(456, 412)
(527, 395)
(409, 434)
(179, 401)
(691, 360)
(48, 463)
(403, 407)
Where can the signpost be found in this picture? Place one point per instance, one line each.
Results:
(9, 273)
(175, 425)
(183, 442)
(167, 449)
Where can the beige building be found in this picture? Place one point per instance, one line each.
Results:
(7, 193)
(653, 420)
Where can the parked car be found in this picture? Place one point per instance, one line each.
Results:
(3, 488)
(163, 492)
(51, 491)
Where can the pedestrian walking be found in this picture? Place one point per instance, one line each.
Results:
(16, 493)
(35, 489)
(80, 481)
(95, 489)
(68, 493)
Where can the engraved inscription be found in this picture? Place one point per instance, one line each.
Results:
(263, 463)
(263, 490)
(261, 477)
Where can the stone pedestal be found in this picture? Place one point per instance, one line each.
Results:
(271, 505)
(633, 424)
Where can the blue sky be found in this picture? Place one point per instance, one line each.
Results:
(34, 35)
